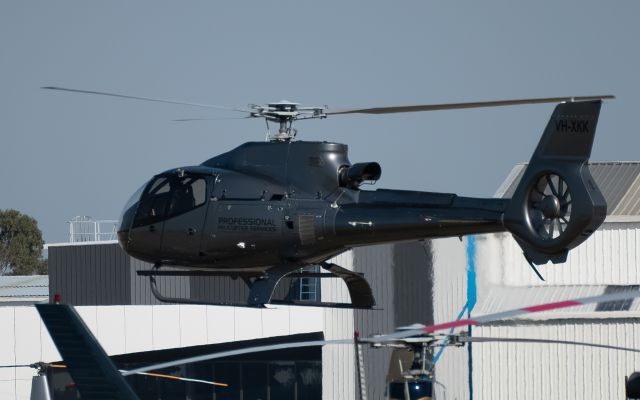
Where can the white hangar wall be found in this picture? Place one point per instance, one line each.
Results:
(399, 275)
(554, 371)
(609, 257)
(449, 299)
(338, 361)
(101, 274)
(607, 261)
(126, 329)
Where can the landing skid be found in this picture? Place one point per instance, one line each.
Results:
(262, 286)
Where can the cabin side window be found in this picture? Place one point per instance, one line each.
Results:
(187, 193)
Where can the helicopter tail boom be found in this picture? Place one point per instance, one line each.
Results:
(557, 204)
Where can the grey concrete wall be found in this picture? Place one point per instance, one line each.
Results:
(141, 287)
(103, 274)
(413, 283)
(90, 274)
(400, 276)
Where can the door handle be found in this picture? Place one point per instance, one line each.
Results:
(152, 228)
(191, 231)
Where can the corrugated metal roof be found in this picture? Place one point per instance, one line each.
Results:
(47, 245)
(508, 186)
(619, 182)
(630, 202)
(614, 180)
(24, 286)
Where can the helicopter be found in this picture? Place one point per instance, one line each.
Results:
(416, 343)
(96, 376)
(265, 210)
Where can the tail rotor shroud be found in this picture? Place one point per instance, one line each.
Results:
(557, 204)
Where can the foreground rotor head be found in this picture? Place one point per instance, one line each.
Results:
(483, 319)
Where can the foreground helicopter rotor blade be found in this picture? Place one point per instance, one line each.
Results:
(485, 339)
(155, 375)
(229, 353)
(420, 331)
(632, 294)
(454, 106)
(257, 349)
(124, 96)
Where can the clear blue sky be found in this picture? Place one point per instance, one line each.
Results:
(63, 154)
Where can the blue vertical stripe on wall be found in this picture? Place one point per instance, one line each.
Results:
(446, 341)
(472, 296)
(471, 274)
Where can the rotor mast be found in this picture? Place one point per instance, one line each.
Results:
(284, 112)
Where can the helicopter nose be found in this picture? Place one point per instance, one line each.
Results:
(124, 225)
(123, 239)
(126, 218)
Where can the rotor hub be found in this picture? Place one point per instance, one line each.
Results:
(550, 206)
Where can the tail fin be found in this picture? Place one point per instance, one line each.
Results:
(557, 204)
(93, 372)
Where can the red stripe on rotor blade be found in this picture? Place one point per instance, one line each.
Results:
(553, 306)
(448, 325)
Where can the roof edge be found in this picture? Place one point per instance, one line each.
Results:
(64, 244)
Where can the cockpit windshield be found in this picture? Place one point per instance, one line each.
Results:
(126, 216)
(154, 201)
(169, 196)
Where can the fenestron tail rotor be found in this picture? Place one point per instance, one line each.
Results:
(285, 112)
(549, 206)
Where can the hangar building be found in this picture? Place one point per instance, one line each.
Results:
(489, 273)
(133, 327)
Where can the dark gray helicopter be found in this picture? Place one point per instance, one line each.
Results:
(266, 209)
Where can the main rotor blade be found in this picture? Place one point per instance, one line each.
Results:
(229, 353)
(208, 119)
(483, 319)
(155, 375)
(124, 96)
(484, 339)
(181, 378)
(454, 106)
